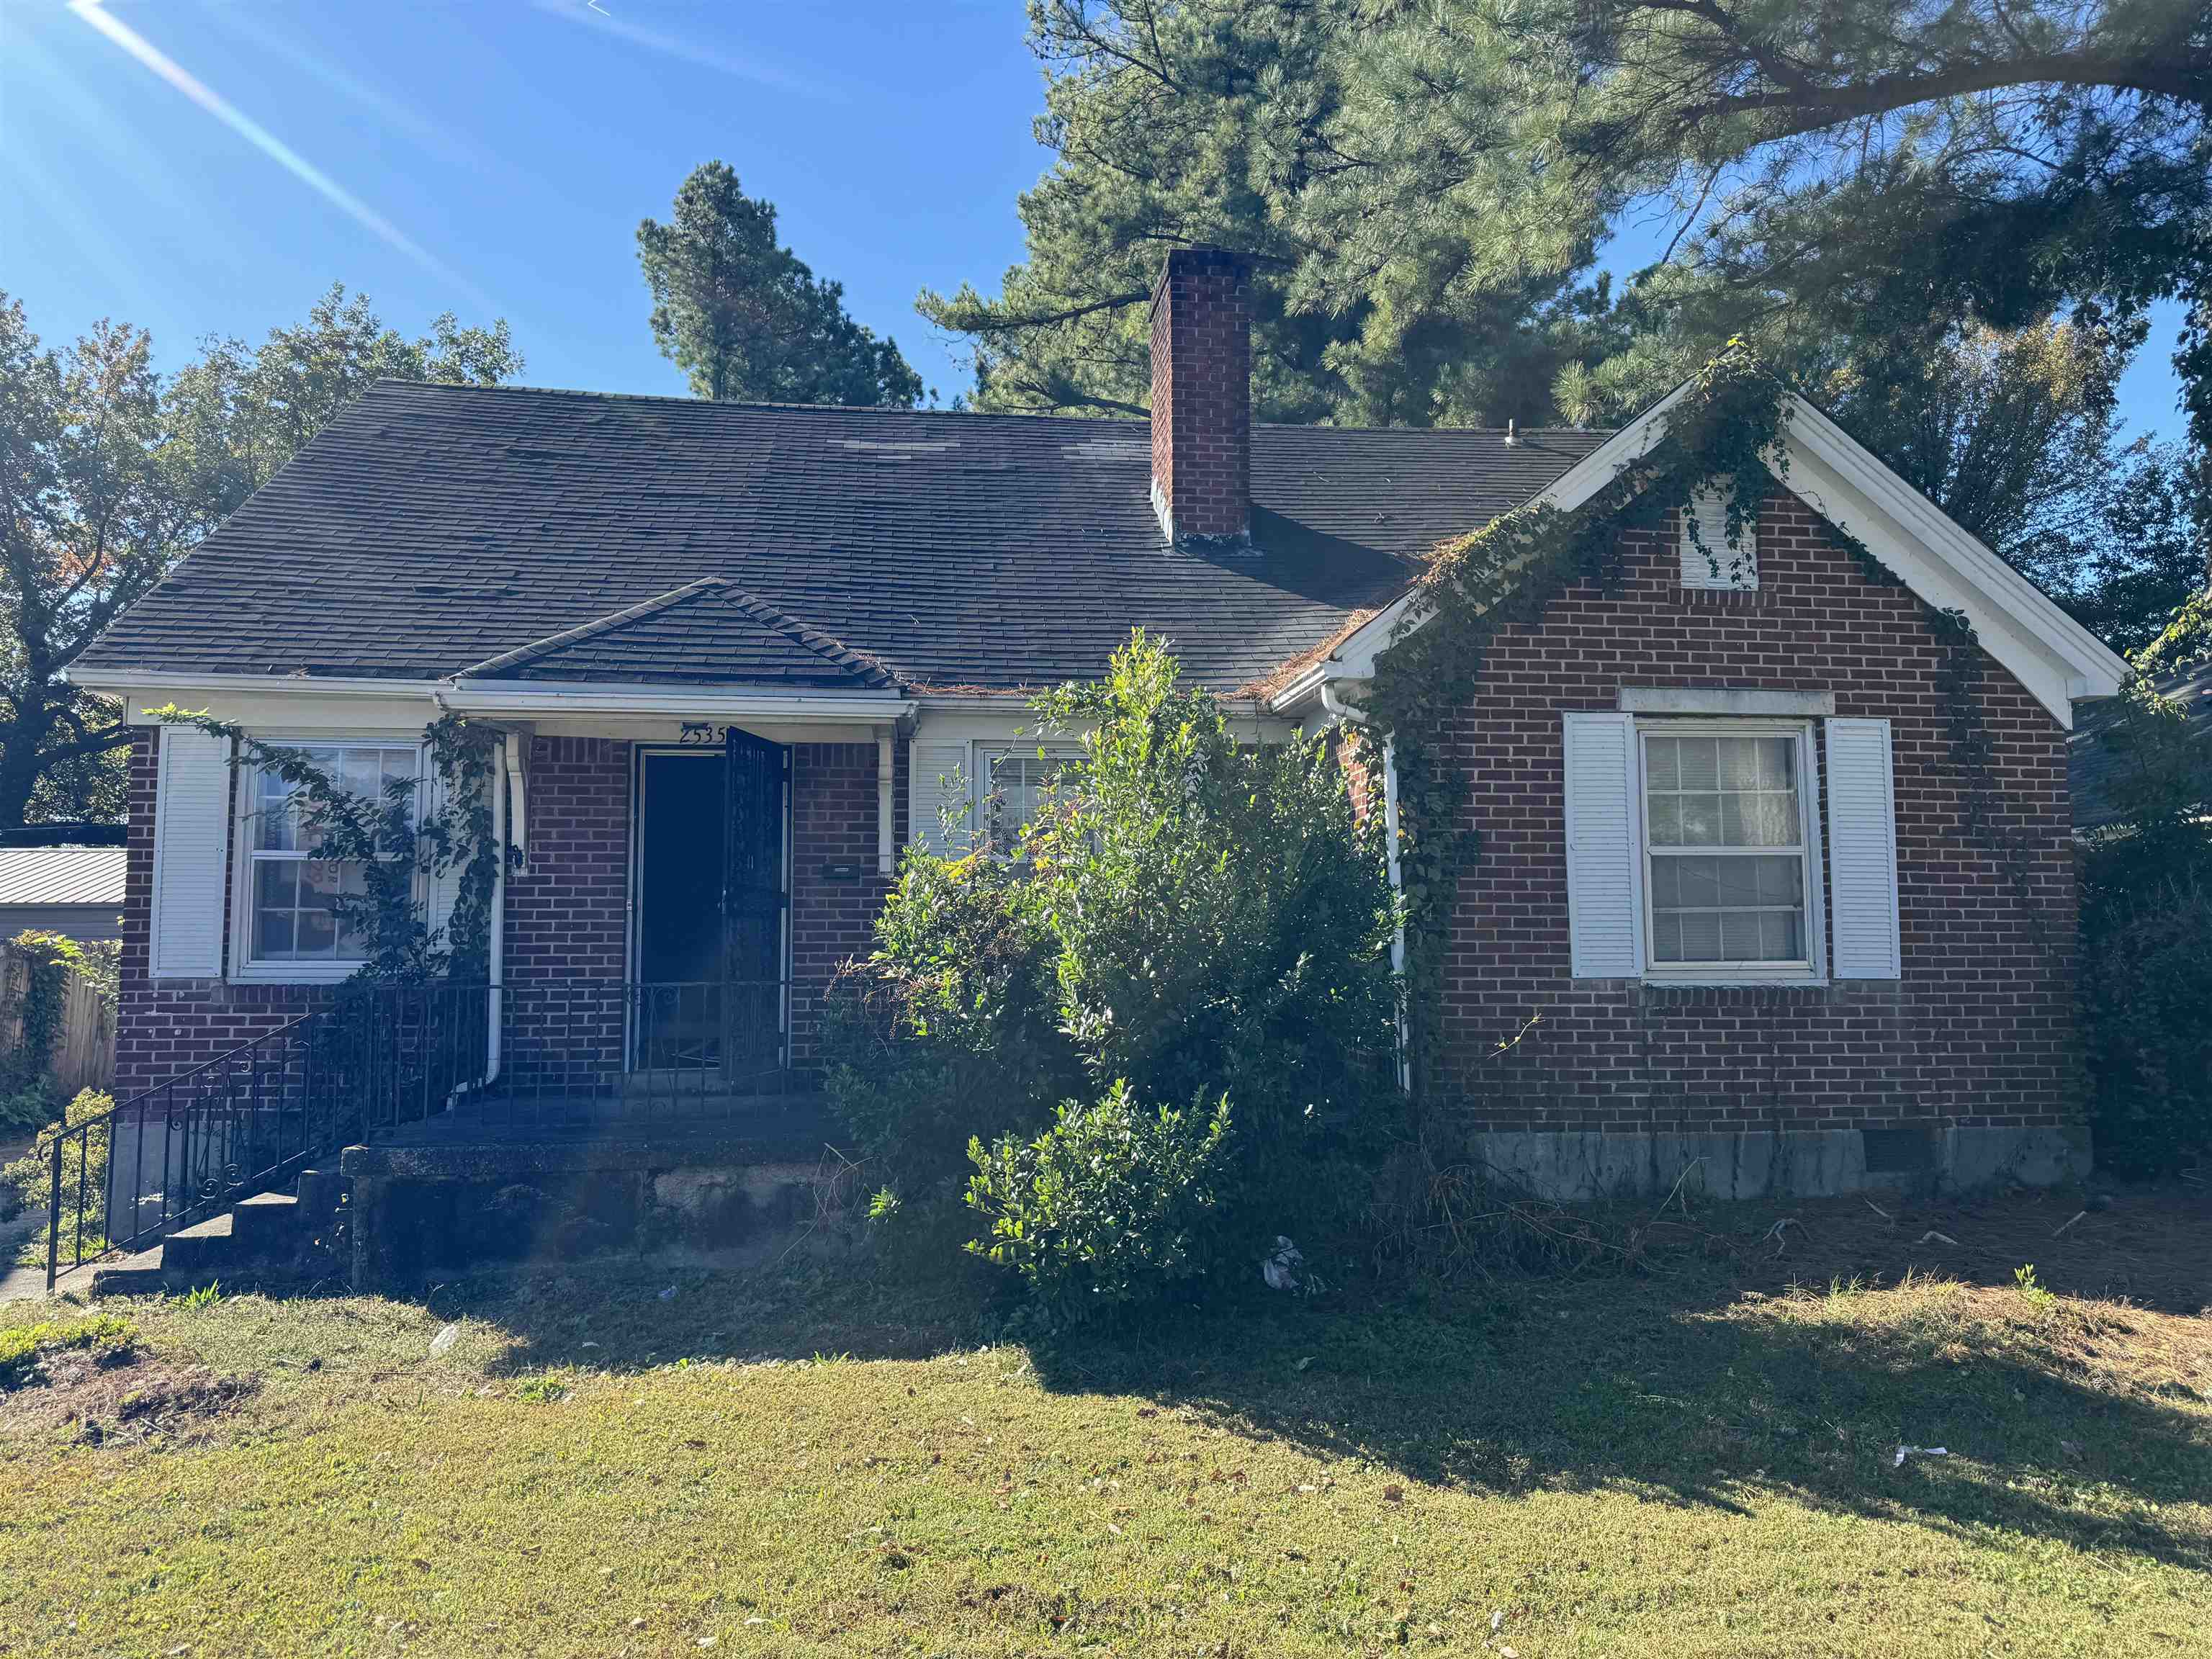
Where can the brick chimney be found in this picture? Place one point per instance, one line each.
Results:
(1202, 396)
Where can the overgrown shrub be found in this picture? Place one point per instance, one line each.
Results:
(1189, 919)
(951, 1030)
(2145, 978)
(1114, 1203)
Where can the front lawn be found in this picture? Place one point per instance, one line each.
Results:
(1694, 1459)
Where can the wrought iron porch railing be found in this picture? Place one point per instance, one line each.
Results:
(380, 1059)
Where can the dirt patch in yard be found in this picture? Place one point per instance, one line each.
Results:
(2150, 1245)
(111, 1396)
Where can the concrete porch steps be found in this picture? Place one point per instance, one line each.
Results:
(272, 1239)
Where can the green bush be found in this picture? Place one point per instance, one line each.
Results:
(2144, 982)
(1190, 918)
(949, 1031)
(1113, 1204)
(2146, 995)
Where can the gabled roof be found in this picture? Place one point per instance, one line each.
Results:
(430, 528)
(704, 632)
(49, 876)
(2053, 656)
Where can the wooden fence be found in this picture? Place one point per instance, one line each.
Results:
(84, 1048)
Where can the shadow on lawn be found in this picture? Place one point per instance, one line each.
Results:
(1688, 1385)
(1620, 1384)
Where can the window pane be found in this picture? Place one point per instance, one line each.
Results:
(1667, 936)
(1701, 935)
(1700, 881)
(1779, 882)
(1701, 763)
(1666, 820)
(1740, 762)
(1701, 820)
(318, 935)
(1660, 766)
(1666, 887)
(276, 883)
(1738, 881)
(272, 935)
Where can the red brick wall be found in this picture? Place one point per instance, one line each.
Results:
(569, 917)
(1980, 1030)
(833, 821)
(1201, 350)
(566, 919)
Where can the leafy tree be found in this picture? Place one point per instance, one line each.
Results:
(108, 477)
(745, 318)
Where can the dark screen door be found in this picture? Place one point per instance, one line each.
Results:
(752, 902)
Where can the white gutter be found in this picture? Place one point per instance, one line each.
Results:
(555, 699)
(1333, 701)
(296, 685)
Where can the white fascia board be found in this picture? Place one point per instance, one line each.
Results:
(2028, 611)
(2053, 656)
(552, 699)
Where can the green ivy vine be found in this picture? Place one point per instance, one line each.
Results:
(394, 839)
(1723, 433)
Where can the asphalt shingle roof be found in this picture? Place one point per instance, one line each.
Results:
(430, 528)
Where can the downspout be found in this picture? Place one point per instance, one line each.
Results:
(884, 780)
(1335, 705)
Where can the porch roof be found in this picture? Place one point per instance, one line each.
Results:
(429, 530)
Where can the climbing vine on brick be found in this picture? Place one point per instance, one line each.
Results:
(394, 839)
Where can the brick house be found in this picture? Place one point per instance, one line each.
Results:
(740, 656)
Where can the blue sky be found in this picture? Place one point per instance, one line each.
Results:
(204, 168)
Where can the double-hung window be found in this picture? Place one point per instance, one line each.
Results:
(292, 926)
(1726, 848)
(1727, 841)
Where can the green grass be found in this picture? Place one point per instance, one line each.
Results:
(811, 1462)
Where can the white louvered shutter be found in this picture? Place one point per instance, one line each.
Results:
(191, 839)
(1862, 850)
(1605, 886)
(1716, 564)
(937, 783)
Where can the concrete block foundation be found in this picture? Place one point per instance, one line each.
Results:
(421, 1212)
(1573, 1168)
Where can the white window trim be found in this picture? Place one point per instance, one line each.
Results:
(244, 970)
(1813, 971)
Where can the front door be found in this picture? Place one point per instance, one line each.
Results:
(710, 910)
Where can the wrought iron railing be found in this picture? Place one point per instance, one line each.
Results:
(189, 1148)
(380, 1058)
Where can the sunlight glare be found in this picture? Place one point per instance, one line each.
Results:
(93, 12)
